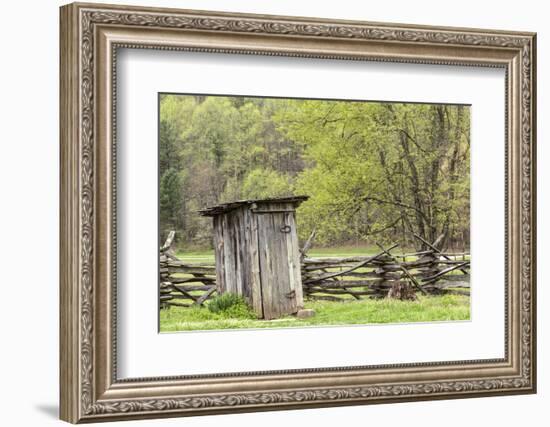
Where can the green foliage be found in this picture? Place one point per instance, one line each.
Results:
(229, 306)
(224, 149)
(374, 171)
(170, 197)
(382, 170)
(261, 184)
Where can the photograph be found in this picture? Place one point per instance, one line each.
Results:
(291, 212)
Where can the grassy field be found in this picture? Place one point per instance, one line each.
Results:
(207, 256)
(367, 311)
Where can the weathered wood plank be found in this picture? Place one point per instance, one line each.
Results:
(307, 245)
(449, 284)
(355, 267)
(179, 280)
(205, 296)
(191, 288)
(191, 269)
(177, 297)
(266, 264)
(344, 283)
(169, 241)
(295, 264)
(254, 269)
(283, 295)
(326, 298)
(434, 247)
(443, 272)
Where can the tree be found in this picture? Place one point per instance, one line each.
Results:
(170, 200)
(263, 184)
(373, 171)
(381, 169)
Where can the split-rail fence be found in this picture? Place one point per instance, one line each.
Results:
(385, 274)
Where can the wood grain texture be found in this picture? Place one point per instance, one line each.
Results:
(219, 254)
(252, 240)
(260, 259)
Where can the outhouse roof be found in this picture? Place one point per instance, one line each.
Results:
(227, 207)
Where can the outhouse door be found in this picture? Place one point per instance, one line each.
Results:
(279, 260)
(257, 254)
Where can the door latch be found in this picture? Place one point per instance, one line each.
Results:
(285, 229)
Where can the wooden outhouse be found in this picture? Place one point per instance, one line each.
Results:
(257, 253)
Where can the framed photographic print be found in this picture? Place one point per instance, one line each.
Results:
(266, 212)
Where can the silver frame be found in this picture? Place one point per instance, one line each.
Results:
(90, 37)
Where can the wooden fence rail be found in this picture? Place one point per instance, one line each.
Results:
(430, 272)
(383, 275)
(183, 284)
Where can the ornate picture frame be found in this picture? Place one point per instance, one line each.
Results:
(90, 37)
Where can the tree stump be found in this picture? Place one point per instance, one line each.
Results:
(402, 291)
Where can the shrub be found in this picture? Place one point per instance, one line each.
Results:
(230, 305)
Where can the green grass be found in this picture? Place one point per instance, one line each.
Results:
(207, 256)
(367, 311)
